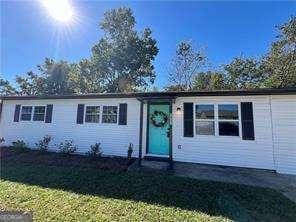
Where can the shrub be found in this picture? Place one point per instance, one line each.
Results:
(130, 152)
(19, 146)
(95, 150)
(2, 140)
(42, 144)
(67, 147)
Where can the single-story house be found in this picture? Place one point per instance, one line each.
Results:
(246, 128)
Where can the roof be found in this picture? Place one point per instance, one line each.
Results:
(161, 95)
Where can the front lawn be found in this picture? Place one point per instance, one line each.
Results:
(78, 193)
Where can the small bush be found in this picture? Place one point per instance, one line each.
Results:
(130, 152)
(2, 140)
(67, 147)
(19, 146)
(95, 150)
(42, 144)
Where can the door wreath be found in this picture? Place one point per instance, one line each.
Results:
(159, 118)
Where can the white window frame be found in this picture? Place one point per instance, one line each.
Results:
(100, 114)
(216, 119)
(33, 112)
(205, 120)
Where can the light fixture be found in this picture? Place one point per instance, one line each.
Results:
(178, 110)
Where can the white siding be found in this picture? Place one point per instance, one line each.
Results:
(284, 129)
(274, 146)
(114, 138)
(226, 150)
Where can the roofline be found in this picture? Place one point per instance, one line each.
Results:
(289, 91)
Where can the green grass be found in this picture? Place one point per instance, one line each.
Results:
(81, 194)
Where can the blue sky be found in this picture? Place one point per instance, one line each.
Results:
(226, 29)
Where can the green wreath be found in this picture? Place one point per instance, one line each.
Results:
(159, 118)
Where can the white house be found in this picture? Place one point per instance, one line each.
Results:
(252, 128)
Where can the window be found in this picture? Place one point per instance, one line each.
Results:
(109, 114)
(39, 113)
(228, 120)
(26, 113)
(92, 114)
(205, 120)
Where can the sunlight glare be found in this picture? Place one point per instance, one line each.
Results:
(60, 10)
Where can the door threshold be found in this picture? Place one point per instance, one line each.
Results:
(157, 155)
(164, 158)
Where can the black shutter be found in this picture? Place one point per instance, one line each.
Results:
(247, 121)
(80, 113)
(17, 113)
(188, 119)
(48, 114)
(122, 114)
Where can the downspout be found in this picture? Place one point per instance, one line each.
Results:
(140, 132)
(272, 133)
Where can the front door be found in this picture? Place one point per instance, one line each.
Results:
(158, 130)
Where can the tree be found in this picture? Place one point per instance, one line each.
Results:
(30, 84)
(209, 81)
(52, 79)
(56, 77)
(244, 73)
(123, 57)
(185, 64)
(280, 62)
(5, 88)
(84, 79)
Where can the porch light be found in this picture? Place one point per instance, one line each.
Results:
(178, 110)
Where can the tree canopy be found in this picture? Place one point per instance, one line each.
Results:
(185, 64)
(122, 61)
(276, 69)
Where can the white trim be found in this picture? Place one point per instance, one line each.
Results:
(217, 120)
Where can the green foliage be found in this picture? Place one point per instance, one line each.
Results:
(184, 66)
(95, 150)
(280, 62)
(244, 73)
(52, 79)
(209, 81)
(5, 88)
(19, 146)
(130, 151)
(123, 57)
(67, 147)
(121, 61)
(84, 78)
(43, 144)
(2, 140)
(30, 84)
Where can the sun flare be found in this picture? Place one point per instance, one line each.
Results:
(60, 10)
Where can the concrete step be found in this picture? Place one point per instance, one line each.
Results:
(155, 165)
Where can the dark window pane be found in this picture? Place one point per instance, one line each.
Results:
(39, 113)
(109, 114)
(228, 128)
(205, 127)
(204, 111)
(228, 111)
(92, 114)
(26, 113)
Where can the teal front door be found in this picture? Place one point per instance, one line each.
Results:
(158, 130)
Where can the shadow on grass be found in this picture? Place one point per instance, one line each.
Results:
(236, 202)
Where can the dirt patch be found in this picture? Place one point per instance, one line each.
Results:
(57, 159)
